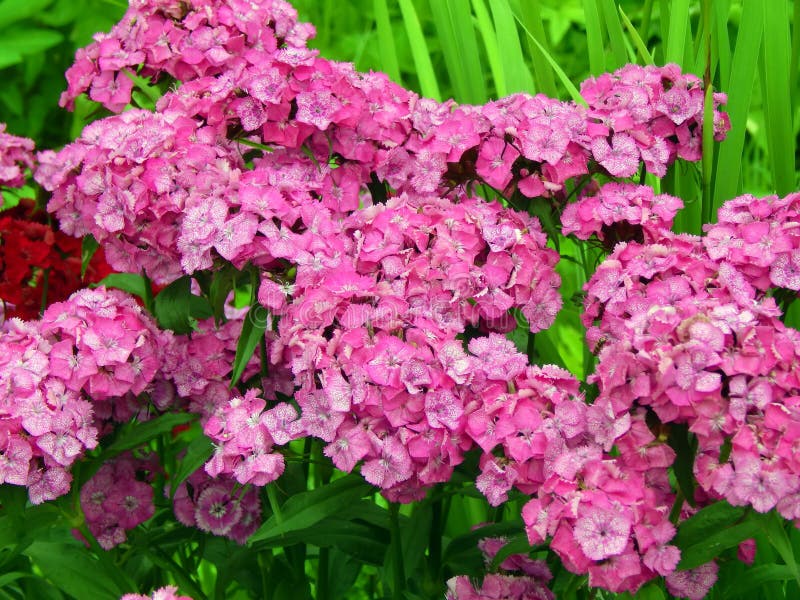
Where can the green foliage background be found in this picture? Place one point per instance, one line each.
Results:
(327, 541)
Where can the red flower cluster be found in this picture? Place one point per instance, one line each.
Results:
(39, 266)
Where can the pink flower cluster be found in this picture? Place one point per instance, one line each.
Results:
(370, 330)
(620, 212)
(16, 155)
(652, 114)
(116, 499)
(169, 592)
(187, 40)
(152, 190)
(520, 578)
(218, 505)
(759, 237)
(363, 132)
(245, 433)
(61, 376)
(693, 584)
(606, 514)
(692, 339)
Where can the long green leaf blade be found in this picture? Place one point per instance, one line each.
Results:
(386, 46)
(486, 29)
(740, 92)
(428, 82)
(777, 96)
(308, 508)
(253, 328)
(594, 38)
(517, 76)
(678, 31)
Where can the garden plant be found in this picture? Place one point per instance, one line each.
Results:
(281, 322)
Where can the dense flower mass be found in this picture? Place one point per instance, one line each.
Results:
(692, 338)
(61, 377)
(385, 288)
(618, 212)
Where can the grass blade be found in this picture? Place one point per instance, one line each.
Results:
(428, 83)
(528, 13)
(468, 56)
(722, 43)
(517, 76)
(678, 31)
(386, 47)
(486, 29)
(740, 92)
(641, 47)
(594, 38)
(615, 34)
(777, 96)
(563, 77)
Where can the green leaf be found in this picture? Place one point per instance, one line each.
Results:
(367, 543)
(89, 246)
(517, 544)
(515, 71)
(468, 542)
(419, 51)
(615, 34)
(73, 570)
(127, 282)
(253, 328)
(12, 11)
(134, 435)
(29, 41)
(775, 528)
(754, 578)
(176, 308)
(530, 17)
(308, 508)
(221, 285)
(706, 522)
(684, 460)
(777, 96)
(679, 22)
(713, 545)
(641, 47)
(198, 452)
(594, 37)
(740, 92)
(565, 80)
(485, 26)
(388, 53)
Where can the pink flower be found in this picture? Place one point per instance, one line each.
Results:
(602, 533)
(693, 584)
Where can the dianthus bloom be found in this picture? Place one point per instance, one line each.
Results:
(60, 377)
(116, 499)
(16, 155)
(519, 578)
(218, 506)
(169, 592)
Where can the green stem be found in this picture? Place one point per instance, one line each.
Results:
(45, 289)
(322, 574)
(273, 503)
(398, 570)
(708, 119)
(435, 540)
